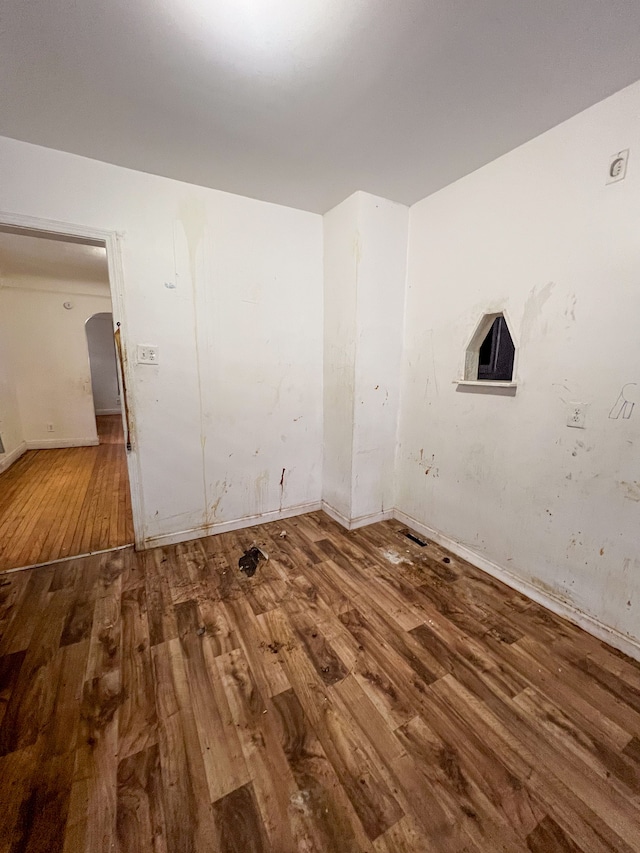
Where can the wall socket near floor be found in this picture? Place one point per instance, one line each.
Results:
(50, 428)
(577, 415)
(147, 354)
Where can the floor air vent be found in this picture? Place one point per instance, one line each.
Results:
(421, 542)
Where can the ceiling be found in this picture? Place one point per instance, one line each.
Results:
(24, 257)
(301, 102)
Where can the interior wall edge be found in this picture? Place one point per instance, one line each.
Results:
(8, 460)
(629, 645)
(227, 526)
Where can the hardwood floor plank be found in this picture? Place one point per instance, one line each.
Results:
(137, 719)
(325, 805)
(188, 814)
(549, 836)
(224, 762)
(239, 822)
(140, 819)
(56, 503)
(358, 693)
(343, 744)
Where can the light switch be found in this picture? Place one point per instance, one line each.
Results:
(147, 354)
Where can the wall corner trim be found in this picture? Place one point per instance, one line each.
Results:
(359, 521)
(588, 623)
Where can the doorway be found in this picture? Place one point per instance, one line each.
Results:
(64, 473)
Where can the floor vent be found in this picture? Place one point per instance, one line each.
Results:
(421, 542)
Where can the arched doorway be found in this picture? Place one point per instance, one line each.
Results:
(105, 382)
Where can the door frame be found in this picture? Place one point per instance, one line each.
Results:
(112, 243)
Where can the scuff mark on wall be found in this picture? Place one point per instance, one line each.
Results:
(216, 503)
(631, 490)
(570, 310)
(560, 385)
(357, 247)
(282, 488)
(532, 313)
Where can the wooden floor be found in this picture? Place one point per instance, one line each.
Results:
(358, 693)
(57, 503)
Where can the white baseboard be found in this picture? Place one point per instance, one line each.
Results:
(7, 459)
(58, 443)
(359, 521)
(557, 605)
(227, 526)
(117, 411)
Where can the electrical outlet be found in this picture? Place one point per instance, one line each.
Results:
(577, 415)
(618, 166)
(147, 354)
(50, 428)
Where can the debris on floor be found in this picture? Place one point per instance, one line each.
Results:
(283, 534)
(392, 556)
(248, 563)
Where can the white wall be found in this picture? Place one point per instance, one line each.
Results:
(49, 357)
(365, 252)
(230, 291)
(538, 234)
(102, 361)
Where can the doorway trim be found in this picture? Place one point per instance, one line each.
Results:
(112, 243)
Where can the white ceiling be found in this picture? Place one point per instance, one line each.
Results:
(301, 102)
(23, 257)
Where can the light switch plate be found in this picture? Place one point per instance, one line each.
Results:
(147, 354)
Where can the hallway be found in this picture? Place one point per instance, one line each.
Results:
(60, 503)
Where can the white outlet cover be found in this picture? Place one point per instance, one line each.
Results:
(147, 354)
(577, 415)
(617, 166)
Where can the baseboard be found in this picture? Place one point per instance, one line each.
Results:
(117, 411)
(359, 521)
(227, 526)
(557, 605)
(7, 459)
(59, 443)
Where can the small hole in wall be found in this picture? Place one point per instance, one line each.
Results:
(491, 353)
